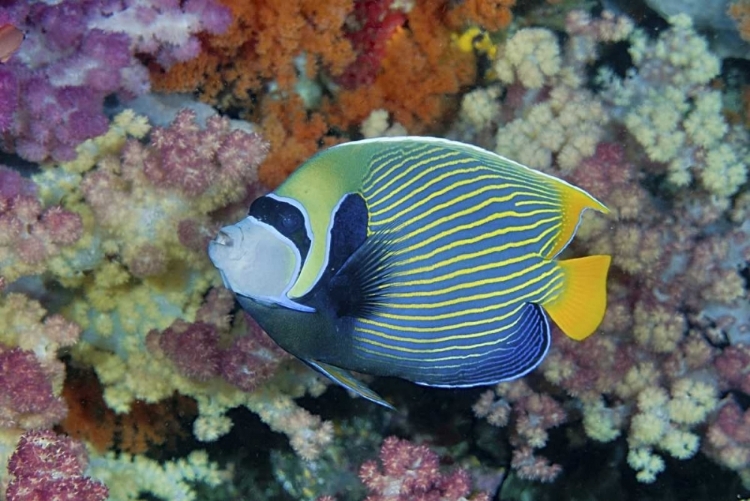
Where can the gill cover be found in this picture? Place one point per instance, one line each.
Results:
(256, 261)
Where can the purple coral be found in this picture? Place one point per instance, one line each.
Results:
(78, 52)
(728, 437)
(252, 359)
(173, 185)
(66, 69)
(49, 466)
(192, 348)
(8, 98)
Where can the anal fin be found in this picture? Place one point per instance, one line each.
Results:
(345, 379)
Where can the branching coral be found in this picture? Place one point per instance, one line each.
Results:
(260, 46)
(420, 58)
(531, 416)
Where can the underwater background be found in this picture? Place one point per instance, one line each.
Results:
(132, 130)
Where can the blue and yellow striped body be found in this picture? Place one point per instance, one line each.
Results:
(433, 261)
(467, 270)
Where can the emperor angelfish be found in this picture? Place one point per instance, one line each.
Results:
(422, 258)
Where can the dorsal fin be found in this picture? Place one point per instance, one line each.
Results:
(574, 202)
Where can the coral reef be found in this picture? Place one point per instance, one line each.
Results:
(123, 361)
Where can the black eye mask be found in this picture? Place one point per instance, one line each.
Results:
(286, 218)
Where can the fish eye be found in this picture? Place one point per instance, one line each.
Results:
(291, 221)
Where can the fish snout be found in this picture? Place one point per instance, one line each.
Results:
(226, 246)
(224, 238)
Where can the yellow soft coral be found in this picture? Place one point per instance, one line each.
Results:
(531, 57)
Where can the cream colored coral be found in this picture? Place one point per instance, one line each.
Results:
(377, 125)
(658, 328)
(600, 422)
(531, 57)
(680, 47)
(724, 172)
(704, 124)
(566, 128)
(665, 423)
(647, 464)
(692, 401)
(128, 477)
(480, 107)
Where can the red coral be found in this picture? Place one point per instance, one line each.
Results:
(26, 395)
(193, 348)
(420, 58)
(369, 27)
(46, 466)
(252, 359)
(412, 472)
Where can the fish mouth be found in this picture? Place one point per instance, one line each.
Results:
(226, 246)
(223, 239)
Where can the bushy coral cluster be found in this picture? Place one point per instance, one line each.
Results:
(197, 352)
(369, 28)
(411, 471)
(532, 415)
(31, 374)
(50, 466)
(666, 104)
(31, 234)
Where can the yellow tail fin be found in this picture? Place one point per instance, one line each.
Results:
(579, 309)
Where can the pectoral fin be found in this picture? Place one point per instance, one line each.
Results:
(345, 379)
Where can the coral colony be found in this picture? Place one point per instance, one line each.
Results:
(109, 304)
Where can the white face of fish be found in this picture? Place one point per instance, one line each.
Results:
(256, 261)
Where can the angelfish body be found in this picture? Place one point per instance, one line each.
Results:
(421, 258)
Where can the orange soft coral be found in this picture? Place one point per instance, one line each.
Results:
(422, 74)
(294, 135)
(146, 425)
(492, 15)
(259, 47)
